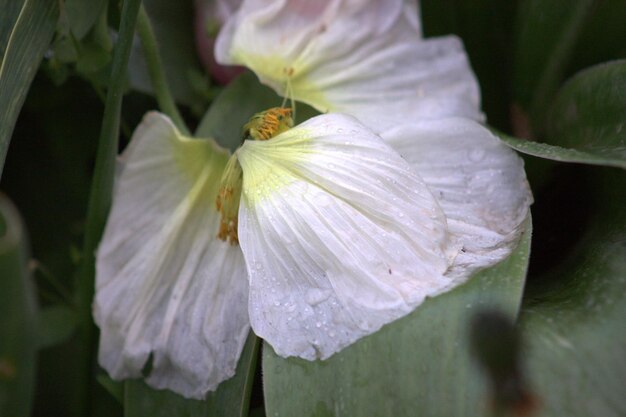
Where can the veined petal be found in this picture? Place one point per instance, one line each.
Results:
(339, 234)
(165, 285)
(362, 57)
(479, 183)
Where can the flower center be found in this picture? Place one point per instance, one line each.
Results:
(269, 123)
(262, 126)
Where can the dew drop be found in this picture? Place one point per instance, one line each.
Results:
(315, 296)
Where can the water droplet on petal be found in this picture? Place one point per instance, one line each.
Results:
(315, 296)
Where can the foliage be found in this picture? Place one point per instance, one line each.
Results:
(553, 79)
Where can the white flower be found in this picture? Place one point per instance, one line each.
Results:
(366, 58)
(339, 234)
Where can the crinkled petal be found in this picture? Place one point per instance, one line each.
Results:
(166, 288)
(479, 183)
(362, 57)
(339, 234)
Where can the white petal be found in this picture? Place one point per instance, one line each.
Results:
(340, 236)
(365, 58)
(479, 182)
(165, 285)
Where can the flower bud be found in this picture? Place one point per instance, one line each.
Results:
(210, 15)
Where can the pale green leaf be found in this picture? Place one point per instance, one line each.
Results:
(589, 113)
(587, 121)
(558, 153)
(18, 317)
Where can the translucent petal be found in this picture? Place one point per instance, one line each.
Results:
(479, 182)
(362, 57)
(339, 234)
(166, 288)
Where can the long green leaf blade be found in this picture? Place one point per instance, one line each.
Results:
(10, 12)
(27, 44)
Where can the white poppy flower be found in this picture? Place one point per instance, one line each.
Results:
(338, 233)
(366, 58)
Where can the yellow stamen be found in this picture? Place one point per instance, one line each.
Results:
(227, 201)
(262, 126)
(269, 123)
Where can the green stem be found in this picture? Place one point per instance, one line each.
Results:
(100, 201)
(155, 70)
(126, 131)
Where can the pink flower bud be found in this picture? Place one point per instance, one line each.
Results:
(210, 15)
